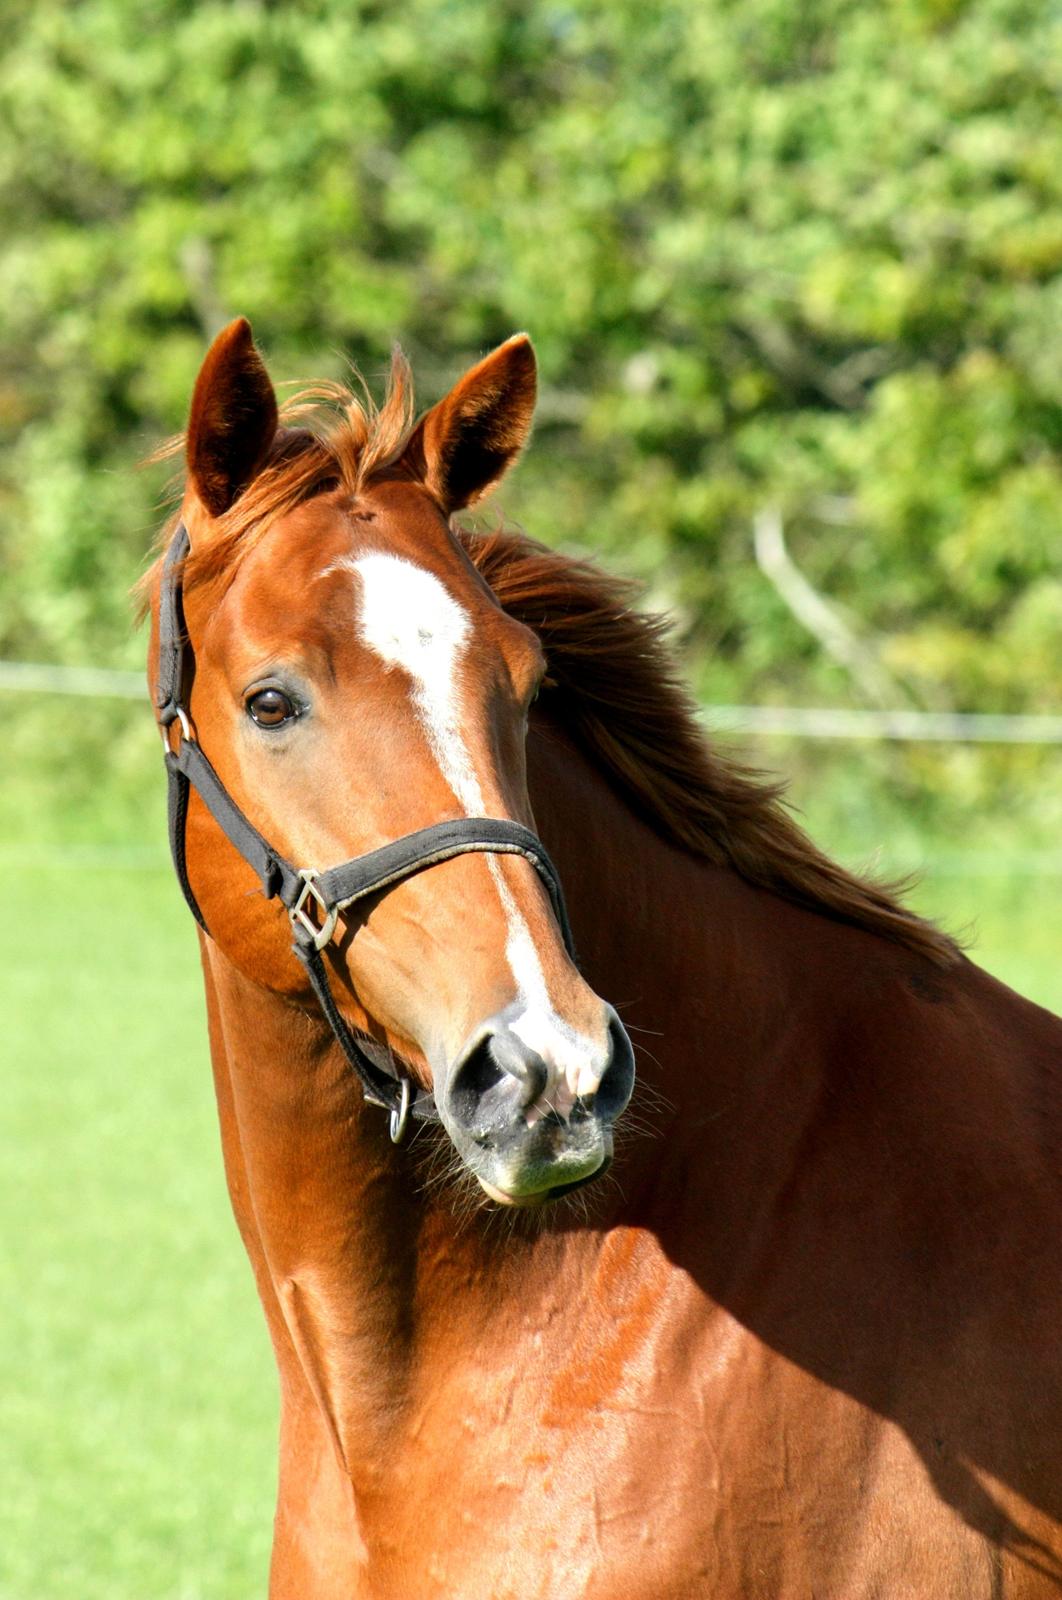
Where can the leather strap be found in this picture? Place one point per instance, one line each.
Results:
(189, 766)
(177, 816)
(370, 1061)
(278, 876)
(170, 690)
(340, 887)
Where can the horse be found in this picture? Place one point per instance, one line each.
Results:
(789, 1326)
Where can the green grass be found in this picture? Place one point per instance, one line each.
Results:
(138, 1388)
(138, 1418)
(1006, 910)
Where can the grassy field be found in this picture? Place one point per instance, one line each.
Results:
(138, 1388)
(138, 1395)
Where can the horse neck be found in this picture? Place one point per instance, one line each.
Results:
(328, 1217)
(361, 1266)
(725, 989)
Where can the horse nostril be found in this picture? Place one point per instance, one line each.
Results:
(522, 1063)
(472, 1080)
(499, 1075)
(617, 1080)
(502, 1076)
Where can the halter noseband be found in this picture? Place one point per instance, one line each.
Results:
(308, 894)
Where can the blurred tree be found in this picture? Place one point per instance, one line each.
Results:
(806, 257)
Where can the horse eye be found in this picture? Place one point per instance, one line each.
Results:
(269, 708)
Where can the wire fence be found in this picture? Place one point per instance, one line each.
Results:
(938, 727)
(800, 722)
(105, 682)
(808, 722)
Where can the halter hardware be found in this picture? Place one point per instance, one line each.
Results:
(180, 716)
(400, 1116)
(331, 891)
(329, 915)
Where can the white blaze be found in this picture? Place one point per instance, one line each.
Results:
(410, 619)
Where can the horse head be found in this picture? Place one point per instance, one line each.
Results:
(355, 681)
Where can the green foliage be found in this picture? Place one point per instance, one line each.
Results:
(803, 255)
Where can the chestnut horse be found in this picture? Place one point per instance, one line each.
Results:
(804, 1339)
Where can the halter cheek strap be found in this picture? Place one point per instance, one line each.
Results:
(314, 900)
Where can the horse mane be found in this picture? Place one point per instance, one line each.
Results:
(615, 684)
(612, 677)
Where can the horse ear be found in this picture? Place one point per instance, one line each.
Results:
(467, 443)
(233, 419)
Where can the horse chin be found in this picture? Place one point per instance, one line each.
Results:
(542, 1182)
(520, 1200)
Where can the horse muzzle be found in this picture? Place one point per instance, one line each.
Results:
(530, 1109)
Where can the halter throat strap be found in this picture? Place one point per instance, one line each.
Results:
(315, 899)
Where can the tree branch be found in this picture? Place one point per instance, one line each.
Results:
(859, 659)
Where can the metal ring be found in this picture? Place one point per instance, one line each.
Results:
(400, 1113)
(186, 730)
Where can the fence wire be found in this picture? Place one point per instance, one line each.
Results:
(808, 722)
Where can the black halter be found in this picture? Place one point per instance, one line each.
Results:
(315, 899)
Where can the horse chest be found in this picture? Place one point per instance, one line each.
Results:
(691, 1461)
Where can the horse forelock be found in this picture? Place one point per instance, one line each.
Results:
(331, 435)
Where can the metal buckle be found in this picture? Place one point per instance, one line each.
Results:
(186, 730)
(319, 935)
(400, 1113)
